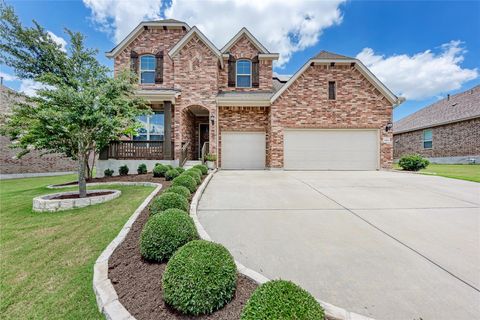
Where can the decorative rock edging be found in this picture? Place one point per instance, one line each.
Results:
(45, 203)
(331, 311)
(107, 298)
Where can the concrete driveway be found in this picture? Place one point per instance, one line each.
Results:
(383, 244)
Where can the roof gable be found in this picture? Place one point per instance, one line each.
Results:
(186, 38)
(168, 23)
(244, 32)
(455, 108)
(325, 57)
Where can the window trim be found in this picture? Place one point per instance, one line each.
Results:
(334, 90)
(243, 74)
(140, 70)
(423, 139)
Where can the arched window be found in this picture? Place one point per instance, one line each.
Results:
(244, 73)
(147, 69)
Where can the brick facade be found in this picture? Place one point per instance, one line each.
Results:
(305, 104)
(457, 139)
(197, 73)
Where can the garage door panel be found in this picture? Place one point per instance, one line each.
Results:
(243, 150)
(331, 149)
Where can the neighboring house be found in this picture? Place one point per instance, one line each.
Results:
(447, 131)
(34, 161)
(333, 114)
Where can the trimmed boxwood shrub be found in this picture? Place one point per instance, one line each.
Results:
(168, 200)
(180, 169)
(108, 172)
(280, 299)
(142, 168)
(413, 162)
(123, 170)
(159, 170)
(164, 233)
(200, 278)
(203, 168)
(181, 190)
(194, 174)
(186, 181)
(171, 174)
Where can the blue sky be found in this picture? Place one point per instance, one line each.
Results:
(421, 50)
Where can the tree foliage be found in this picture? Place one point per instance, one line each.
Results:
(80, 107)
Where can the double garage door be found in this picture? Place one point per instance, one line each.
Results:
(347, 149)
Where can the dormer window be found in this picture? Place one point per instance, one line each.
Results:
(244, 74)
(147, 69)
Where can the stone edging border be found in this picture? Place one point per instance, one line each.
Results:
(45, 203)
(333, 312)
(107, 298)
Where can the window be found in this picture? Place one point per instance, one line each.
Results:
(147, 69)
(331, 90)
(151, 127)
(427, 139)
(244, 73)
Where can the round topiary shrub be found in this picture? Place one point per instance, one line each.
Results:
(186, 181)
(123, 170)
(181, 190)
(108, 172)
(171, 174)
(164, 233)
(142, 168)
(203, 168)
(168, 200)
(160, 170)
(280, 299)
(413, 162)
(200, 278)
(194, 174)
(180, 169)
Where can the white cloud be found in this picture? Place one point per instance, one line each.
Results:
(283, 26)
(7, 77)
(422, 75)
(58, 40)
(120, 17)
(30, 87)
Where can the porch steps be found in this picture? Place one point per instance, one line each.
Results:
(190, 163)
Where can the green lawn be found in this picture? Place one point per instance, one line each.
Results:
(469, 172)
(46, 262)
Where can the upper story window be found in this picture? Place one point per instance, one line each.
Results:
(332, 90)
(427, 139)
(244, 74)
(147, 69)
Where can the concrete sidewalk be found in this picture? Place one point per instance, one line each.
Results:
(383, 244)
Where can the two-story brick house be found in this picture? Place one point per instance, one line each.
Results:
(333, 114)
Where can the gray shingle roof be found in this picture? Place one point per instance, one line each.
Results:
(331, 56)
(461, 106)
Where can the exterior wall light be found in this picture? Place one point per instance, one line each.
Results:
(212, 119)
(389, 126)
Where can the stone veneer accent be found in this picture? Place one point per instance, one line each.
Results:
(459, 139)
(305, 104)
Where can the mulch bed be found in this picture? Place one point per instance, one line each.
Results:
(139, 283)
(77, 195)
(129, 178)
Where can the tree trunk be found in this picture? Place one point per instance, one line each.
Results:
(82, 183)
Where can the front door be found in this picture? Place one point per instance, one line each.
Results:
(203, 136)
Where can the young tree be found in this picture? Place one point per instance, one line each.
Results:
(80, 107)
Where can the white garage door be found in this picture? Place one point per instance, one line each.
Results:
(243, 150)
(347, 149)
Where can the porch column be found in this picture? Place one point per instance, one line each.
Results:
(167, 143)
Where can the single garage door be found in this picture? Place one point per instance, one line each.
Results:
(243, 150)
(347, 149)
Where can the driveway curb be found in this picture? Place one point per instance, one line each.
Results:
(331, 311)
